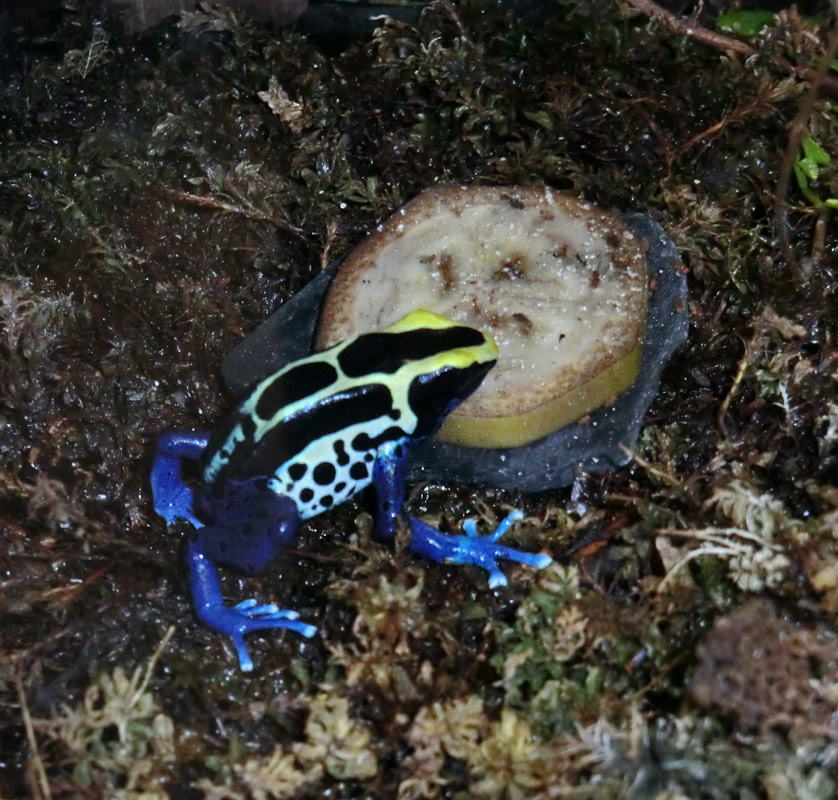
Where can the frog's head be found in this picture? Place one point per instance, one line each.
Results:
(441, 363)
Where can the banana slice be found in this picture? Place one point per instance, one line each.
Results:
(559, 284)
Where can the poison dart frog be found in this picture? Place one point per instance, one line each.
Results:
(309, 437)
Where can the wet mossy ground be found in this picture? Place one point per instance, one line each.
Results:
(154, 209)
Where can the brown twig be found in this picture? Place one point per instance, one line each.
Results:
(666, 477)
(34, 753)
(667, 151)
(737, 115)
(226, 207)
(457, 19)
(689, 28)
(206, 201)
(752, 349)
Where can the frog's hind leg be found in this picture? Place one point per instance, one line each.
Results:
(172, 497)
(249, 545)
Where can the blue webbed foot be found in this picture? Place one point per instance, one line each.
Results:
(235, 621)
(249, 616)
(472, 548)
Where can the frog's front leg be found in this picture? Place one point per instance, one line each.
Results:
(172, 497)
(388, 476)
(250, 544)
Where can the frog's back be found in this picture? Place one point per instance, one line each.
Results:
(313, 429)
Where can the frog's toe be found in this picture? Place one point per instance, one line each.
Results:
(470, 526)
(487, 553)
(263, 623)
(255, 617)
(278, 619)
(259, 614)
(282, 619)
(253, 608)
(245, 661)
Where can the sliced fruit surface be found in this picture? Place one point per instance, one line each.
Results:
(558, 283)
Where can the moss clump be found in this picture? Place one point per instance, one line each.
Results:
(768, 673)
(117, 741)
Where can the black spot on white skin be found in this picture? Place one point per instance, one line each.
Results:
(326, 501)
(358, 471)
(361, 442)
(248, 427)
(324, 473)
(306, 495)
(339, 487)
(340, 452)
(296, 471)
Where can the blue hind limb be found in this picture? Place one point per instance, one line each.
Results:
(234, 621)
(472, 548)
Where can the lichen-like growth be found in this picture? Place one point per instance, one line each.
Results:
(118, 740)
(334, 745)
(503, 758)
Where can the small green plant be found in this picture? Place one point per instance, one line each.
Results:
(808, 167)
(745, 23)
